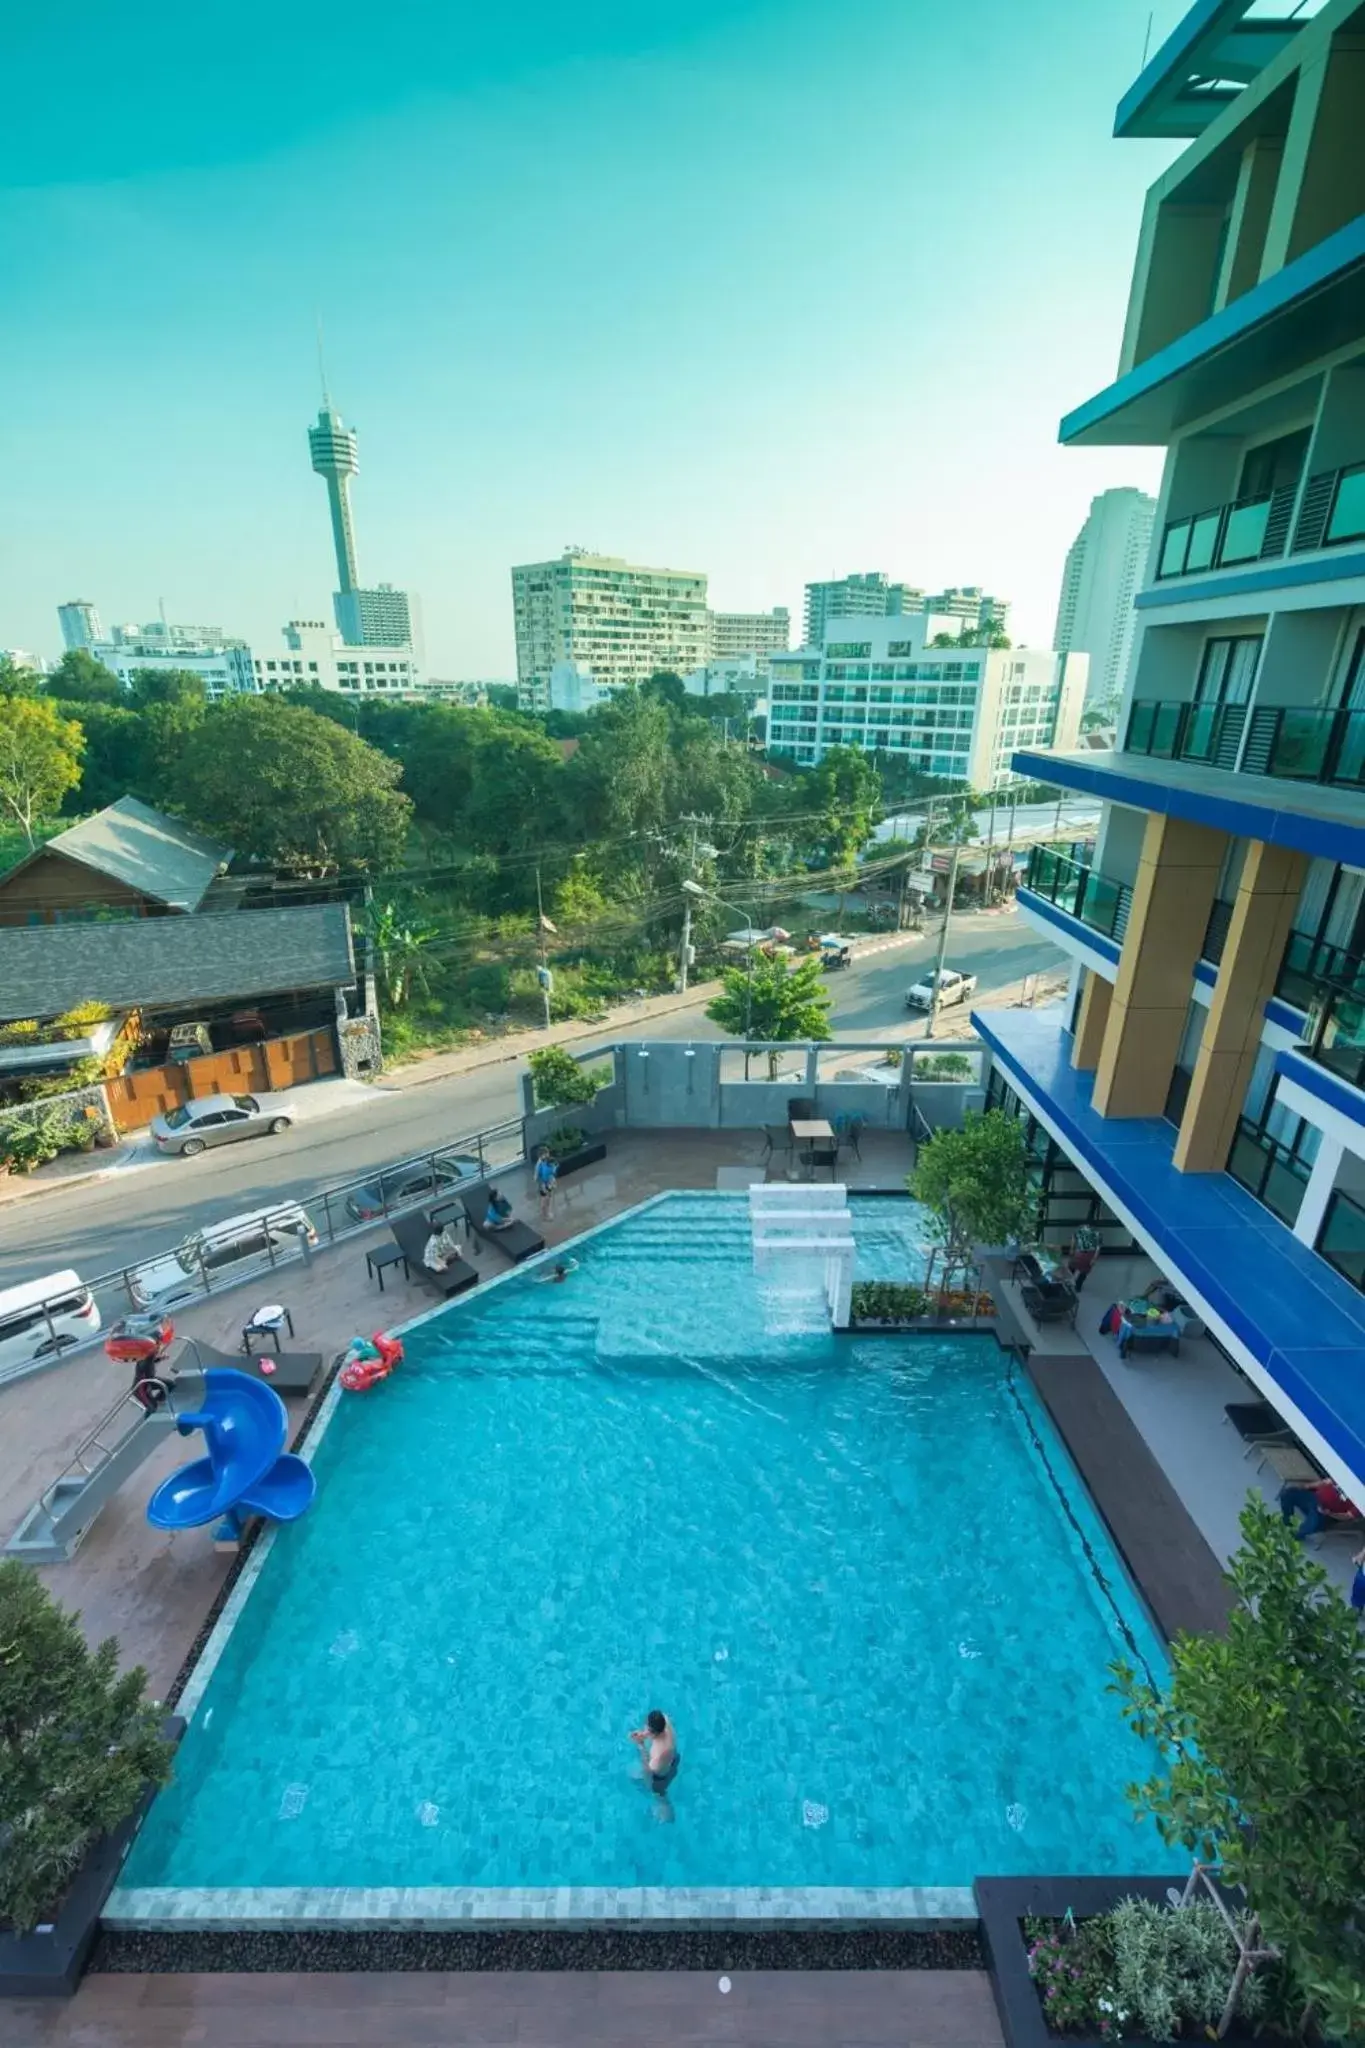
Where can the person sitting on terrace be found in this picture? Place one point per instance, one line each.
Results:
(1319, 1504)
(439, 1249)
(498, 1214)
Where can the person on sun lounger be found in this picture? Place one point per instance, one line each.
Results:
(498, 1214)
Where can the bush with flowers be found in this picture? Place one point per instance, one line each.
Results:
(1143, 1970)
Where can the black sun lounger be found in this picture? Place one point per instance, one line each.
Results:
(518, 1240)
(410, 1234)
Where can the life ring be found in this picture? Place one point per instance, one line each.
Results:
(368, 1361)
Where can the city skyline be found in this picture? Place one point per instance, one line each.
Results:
(624, 374)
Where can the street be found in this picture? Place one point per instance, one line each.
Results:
(101, 1225)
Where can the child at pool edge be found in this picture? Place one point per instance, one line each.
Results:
(558, 1273)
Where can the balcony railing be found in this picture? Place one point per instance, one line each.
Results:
(1268, 1170)
(1311, 968)
(1336, 1032)
(1186, 732)
(1306, 744)
(1246, 530)
(1073, 887)
(1333, 509)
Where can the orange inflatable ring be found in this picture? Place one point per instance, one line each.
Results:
(358, 1375)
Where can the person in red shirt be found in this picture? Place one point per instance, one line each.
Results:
(1321, 1502)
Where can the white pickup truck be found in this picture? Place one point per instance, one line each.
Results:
(952, 988)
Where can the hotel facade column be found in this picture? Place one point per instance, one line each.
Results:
(1177, 880)
(1262, 916)
(1091, 1020)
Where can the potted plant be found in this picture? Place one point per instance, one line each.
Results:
(81, 1751)
(571, 1149)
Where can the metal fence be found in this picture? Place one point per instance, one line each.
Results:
(281, 1238)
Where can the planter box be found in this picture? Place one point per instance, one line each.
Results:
(50, 1964)
(586, 1155)
(1004, 1902)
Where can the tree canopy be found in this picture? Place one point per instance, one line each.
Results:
(40, 760)
(975, 1183)
(780, 1001)
(283, 784)
(79, 679)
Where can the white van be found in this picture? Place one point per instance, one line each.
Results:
(43, 1318)
(222, 1252)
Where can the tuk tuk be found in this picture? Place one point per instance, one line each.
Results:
(835, 952)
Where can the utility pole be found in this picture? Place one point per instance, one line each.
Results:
(543, 974)
(685, 954)
(943, 939)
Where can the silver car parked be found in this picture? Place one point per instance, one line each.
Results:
(215, 1120)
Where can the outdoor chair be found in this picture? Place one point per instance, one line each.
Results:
(819, 1155)
(410, 1233)
(775, 1136)
(518, 1240)
(1051, 1305)
(800, 1109)
(848, 1130)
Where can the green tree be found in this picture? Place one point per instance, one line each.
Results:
(975, 1183)
(559, 1079)
(666, 687)
(773, 1000)
(502, 696)
(40, 760)
(290, 787)
(18, 682)
(79, 679)
(1261, 1735)
(166, 686)
(402, 939)
(846, 793)
(78, 1744)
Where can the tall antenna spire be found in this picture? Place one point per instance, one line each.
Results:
(322, 370)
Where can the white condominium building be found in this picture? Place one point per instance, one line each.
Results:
(736, 634)
(315, 657)
(871, 595)
(967, 604)
(225, 670)
(618, 622)
(1103, 574)
(878, 684)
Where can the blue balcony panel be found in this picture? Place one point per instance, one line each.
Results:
(1330, 1090)
(1345, 565)
(1281, 327)
(1300, 1323)
(1316, 818)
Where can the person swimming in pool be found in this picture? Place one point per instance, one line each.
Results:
(658, 1746)
(558, 1273)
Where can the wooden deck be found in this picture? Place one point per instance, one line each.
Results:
(520, 2009)
(1173, 1566)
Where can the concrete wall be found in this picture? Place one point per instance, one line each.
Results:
(663, 1085)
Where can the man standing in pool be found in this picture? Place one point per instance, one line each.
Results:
(658, 1745)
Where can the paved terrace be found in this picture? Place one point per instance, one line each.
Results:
(152, 1589)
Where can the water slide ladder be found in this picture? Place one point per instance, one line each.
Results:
(54, 1527)
(803, 1242)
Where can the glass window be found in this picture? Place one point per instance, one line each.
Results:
(1346, 521)
(1173, 549)
(1341, 1240)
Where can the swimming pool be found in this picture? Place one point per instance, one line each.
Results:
(858, 1573)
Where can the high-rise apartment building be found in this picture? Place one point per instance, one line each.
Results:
(879, 684)
(735, 634)
(968, 605)
(381, 617)
(80, 624)
(617, 623)
(1202, 1089)
(1104, 566)
(868, 596)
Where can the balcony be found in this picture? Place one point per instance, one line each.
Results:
(1071, 886)
(1268, 1170)
(1304, 744)
(1335, 1039)
(1245, 530)
(1333, 509)
(1311, 967)
(1216, 931)
(1171, 731)
(1342, 1238)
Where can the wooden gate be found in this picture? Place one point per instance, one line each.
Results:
(277, 1063)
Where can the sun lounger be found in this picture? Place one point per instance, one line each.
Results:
(410, 1234)
(518, 1240)
(288, 1372)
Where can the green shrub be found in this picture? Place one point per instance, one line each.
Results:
(889, 1301)
(81, 1019)
(488, 988)
(565, 1141)
(559, 1079)
(78, 1743)
(943, 1066)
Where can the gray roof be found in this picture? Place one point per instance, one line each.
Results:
(154, 962)
(154, 854)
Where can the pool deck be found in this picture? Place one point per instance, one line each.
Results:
(521, 2009)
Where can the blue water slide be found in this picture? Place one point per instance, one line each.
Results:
(247, 1470)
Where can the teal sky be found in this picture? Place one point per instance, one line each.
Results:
(776, 289)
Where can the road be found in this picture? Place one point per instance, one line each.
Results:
(106, 1224)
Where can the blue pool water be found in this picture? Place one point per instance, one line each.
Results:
(840, 1564)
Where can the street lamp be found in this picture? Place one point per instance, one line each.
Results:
(696, 889)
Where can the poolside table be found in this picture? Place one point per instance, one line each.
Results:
(808, 1130)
